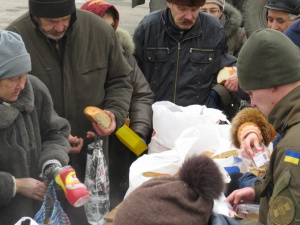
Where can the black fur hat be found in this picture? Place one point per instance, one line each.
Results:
(187, 199)
(190, 3)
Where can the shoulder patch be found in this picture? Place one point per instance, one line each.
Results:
(292, 157)
(282, 210)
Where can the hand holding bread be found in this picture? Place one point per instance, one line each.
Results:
(228, 77)
(104, 121)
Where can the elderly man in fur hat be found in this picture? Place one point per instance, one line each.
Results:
(180, 52)
(269, 71)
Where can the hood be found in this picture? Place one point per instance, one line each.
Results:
(231, 19)
(125, 40)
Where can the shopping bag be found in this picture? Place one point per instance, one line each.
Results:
(20, 221)
(97, 182)
(51, 212)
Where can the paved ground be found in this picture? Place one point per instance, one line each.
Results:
(129, 18)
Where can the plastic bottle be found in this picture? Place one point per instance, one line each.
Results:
(75, 191)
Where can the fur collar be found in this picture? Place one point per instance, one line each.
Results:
(25, 103)
(231, 19)
(125, 40)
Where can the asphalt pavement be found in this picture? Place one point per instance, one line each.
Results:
(129, 17)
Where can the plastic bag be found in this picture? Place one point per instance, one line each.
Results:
(170, 120)
(32, 222)
(97, 182)
(51, 212)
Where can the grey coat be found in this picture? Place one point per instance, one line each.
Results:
(31, 133)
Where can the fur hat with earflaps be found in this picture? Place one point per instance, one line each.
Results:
(190, 3)
(187, 199)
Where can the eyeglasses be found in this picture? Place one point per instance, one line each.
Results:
(210, 11)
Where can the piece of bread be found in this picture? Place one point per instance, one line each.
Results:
(207, 153)
(97, 115)
(224, 74)
(227, 154)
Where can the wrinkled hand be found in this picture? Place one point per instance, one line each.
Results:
(244, 195)
(232, 82)
(102, 131)
(75, 144)
(248, 143)
(31, 188)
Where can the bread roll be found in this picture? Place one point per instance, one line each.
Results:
(224, 74)
(97, 115)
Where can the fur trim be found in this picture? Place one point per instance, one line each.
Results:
(231, 19)
(203, 175)
(125, 40)
(253, 115)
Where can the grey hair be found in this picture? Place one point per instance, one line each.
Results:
(293, 16)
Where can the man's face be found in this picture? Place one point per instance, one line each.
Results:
(263, 99)
(54, 28)
(279, 20)
(213, 9)
(184, 16)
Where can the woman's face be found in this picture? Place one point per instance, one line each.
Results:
(10, 88)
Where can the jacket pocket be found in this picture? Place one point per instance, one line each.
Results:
(198, 55)
(92, 69)
(158, 54)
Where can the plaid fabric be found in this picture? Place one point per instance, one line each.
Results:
(51, 212)
(99, 8)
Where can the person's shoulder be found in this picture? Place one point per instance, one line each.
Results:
(209, 20)
(19, 22)
(153, 18)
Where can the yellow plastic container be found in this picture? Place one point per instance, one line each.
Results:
(131, 140)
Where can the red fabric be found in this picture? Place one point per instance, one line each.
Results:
(99, 8)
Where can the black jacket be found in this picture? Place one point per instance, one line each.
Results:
(181, 72)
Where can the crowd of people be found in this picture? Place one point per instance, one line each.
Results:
(56, 59)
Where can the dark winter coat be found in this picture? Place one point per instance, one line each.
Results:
(31, 133)
(181, 72)
(89, 71)
(279, 191)
(231, 19)
(134, 3)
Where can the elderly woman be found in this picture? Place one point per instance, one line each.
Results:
(32, 136)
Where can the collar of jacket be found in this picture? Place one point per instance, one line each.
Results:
(36, 26)
(231, 19)
(286, 113)
(25, 103)
(196, 30)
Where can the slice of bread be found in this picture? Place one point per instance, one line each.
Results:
(224, 74)
(97, 115)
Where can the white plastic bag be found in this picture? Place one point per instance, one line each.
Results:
(170, 120)
(97, 182)
(32, 221)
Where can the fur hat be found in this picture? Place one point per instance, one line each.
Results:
(293, 32)
(190, 3)
(268, 59)
(14, 58)
(221, 3)
(51, 8)
(187, 199)
(100, 7)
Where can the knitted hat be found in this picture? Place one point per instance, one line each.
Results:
(268, 59)
(14, 59)
(190, 3)
(100, 7)
(293, 32)
(219, 2)
(51, 8)
(187, 199)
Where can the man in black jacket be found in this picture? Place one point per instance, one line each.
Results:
(181, 52)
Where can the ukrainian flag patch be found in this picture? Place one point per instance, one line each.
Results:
(292, 157)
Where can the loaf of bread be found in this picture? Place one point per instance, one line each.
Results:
(224, 74)
(97, 115)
